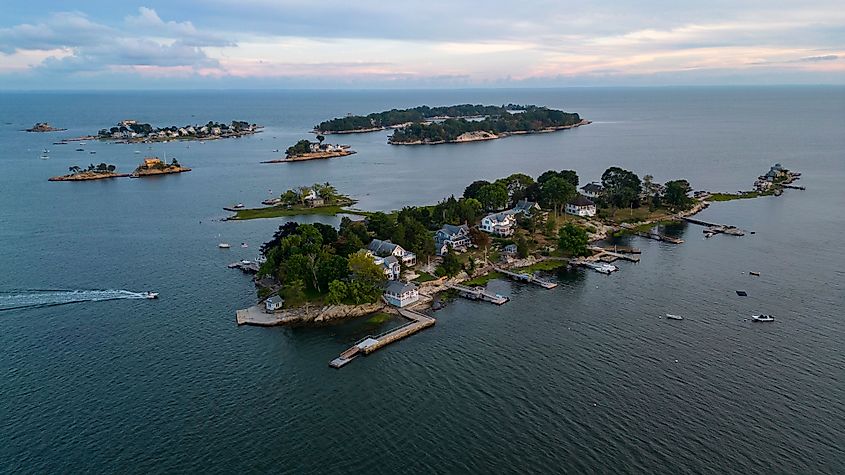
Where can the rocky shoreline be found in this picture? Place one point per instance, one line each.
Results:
(88, 176)
(483, 135)
(154, 171)
(312, 156)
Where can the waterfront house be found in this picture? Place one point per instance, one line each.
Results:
(451, 236)
(581, 206)
(390, 264)
(152, 162)
(273, 304)
(401, 294)
(525, 207)
(500, 224)
(387, 248)
(509, 249)
(592, 190)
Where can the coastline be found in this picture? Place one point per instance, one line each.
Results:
(85, 176)
(485, 135)
(154, 172)
(312, 156)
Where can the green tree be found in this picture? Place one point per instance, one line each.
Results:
(450, 266)
(294, 291)
(677, 194)
(622, 188)
(331, 268)
(320, 138)
(556, 191)
(471, 191)
(521, 247)
(493, 196)
(382, 225)
(573, 240)
(337, 292)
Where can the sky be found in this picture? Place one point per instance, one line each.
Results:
(246, 44)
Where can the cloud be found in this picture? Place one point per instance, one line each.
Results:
(59, 30)
(147, 22)
(813, 59)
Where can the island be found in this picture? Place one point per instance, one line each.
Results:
(99, 172)
(401, 117)
(512, 227)
(304, 150)
(155, 166)
(319, 198)
(131, 131)
(44, 127)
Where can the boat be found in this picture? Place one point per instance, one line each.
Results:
(275, 150)
(742, 293)
(674, 317)
(137, 151)
(80, 150)
(92, 152)
(238, 206)
(151, 295)
(762, 318)
(224, 245)
(755, 273)
(243, 244)
(44, 157)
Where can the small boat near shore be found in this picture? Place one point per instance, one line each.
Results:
(674, 317)
(762, 318)
(224, 245)
(754, 273)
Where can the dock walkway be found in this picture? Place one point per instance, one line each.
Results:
(524, 277)
(711, 229)
(417, 321)
(652, 235)
(477, 293)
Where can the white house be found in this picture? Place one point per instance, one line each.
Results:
(592, 190)
(391, 266)
(401, 294)
(581, 206)
(451, 236)
(509, 249)
(524, 207)
(387, 248)
(500, 224)
(273, 304)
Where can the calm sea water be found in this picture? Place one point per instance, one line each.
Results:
(582, 378)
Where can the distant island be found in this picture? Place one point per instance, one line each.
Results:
(155, 166)
(99, 172)
(130, 131)
(455, 124)
(306, 150)
(316, 199)
(400, 117)
(44, 127)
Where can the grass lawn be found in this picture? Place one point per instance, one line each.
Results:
(424, 277)
(546, 265)
(482, 280)
(279, 211)
(736, 196)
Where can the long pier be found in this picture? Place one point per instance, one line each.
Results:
(716, 228)
(653, 235)
(525, 277)
(417, 321)
(477, 293)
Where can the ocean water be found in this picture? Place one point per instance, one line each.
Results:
(584, 378)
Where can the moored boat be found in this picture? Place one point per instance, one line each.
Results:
(762, 318)
(674, 317)
(224, 245)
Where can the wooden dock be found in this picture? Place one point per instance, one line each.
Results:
(249, 267)
(524, 277)
(794, 187)
(478, 293)
(417, 321)
(592, 264)
(711, 229)
(652, 235)
(607, 255)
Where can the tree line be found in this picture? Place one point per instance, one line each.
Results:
(394, 117)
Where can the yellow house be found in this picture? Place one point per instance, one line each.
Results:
(152, 162)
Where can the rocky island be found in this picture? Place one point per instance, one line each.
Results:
(455, 124)
(99, 172)
(131, 131)
(155, 166)
(44, 127)
(304, 150)
(316, 199)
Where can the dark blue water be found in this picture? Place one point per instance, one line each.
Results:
(582, 378)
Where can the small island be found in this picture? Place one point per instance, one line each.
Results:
(456, 124)
(44, 127)
(99, 172)
(304, 150)
(315, 199)
(131, 131)
(400, 117)
(155, 166)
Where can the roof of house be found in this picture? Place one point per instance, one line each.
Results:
(398, 287)
(582, 200)
(391, 260)
(499, 217)
(382, 247)
(275, 299)
(452, 229)
(524, 206)
(592, 188)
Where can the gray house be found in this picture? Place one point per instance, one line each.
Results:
(451, 236)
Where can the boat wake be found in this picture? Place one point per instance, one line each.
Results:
(34, 298)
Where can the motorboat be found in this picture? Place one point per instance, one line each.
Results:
(674, 317)
(224, 245)
(238, 206)
(754, 273)
(742, 293)
(243, 244)
(151, 295)
(762, 318)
